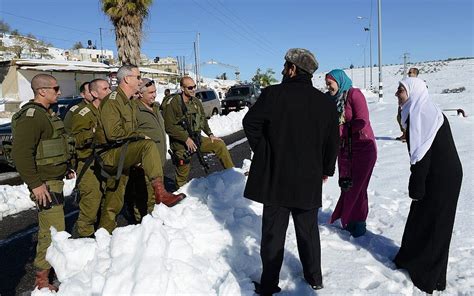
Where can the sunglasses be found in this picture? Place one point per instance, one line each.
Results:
(191, 87)
(150, 83)
(56, 88)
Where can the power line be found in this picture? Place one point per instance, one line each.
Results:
(240, 27)
(223, 22)
(245, 24)
(46, 23)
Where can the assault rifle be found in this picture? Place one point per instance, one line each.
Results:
(196, 137)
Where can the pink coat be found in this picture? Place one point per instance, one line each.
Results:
(353, 204)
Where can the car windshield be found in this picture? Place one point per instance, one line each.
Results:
(239, 91)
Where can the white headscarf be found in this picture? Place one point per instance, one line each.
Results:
(425, 117)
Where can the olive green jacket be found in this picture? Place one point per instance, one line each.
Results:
(85, 124)
(30, 128)
(173, 114)
(151, 124)
(70, 113)
(118, 117)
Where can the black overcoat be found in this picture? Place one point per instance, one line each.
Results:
(293, 132)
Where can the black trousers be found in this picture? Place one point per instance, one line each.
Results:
(274, 226)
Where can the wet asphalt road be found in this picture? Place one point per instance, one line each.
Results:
(18, 233)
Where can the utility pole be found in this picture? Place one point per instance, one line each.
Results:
(405, 62)
(101, 48)
(198, 61)
(369, 30)
(365, 70)
(380, 49)
(196, 64)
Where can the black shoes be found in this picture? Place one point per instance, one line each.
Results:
(259, 291)
(316, 287)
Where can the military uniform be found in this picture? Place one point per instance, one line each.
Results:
(85, 129)
(173, 114)
(41, 153)
(139, 191)
(119, 123)
(70, 114)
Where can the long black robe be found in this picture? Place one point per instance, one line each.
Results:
(435, 183)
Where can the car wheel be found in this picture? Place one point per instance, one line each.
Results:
(215, 111)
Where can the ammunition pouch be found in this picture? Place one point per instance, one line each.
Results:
(55, 151)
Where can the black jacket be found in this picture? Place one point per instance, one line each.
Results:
(293, 131)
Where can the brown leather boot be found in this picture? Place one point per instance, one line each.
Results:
(42, 280)
(161, 195)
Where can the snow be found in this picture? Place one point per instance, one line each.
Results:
(209, 243)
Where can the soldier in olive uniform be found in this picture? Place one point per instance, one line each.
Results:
(41, 154)
(85, 123)
(149, 122)
(87, 99)
(187, 106)
(120, 127)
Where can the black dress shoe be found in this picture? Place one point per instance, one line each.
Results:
(258, 289)
(316, 287)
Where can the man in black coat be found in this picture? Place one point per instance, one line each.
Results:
(293, 131)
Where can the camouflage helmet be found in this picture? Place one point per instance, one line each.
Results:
(303, 59)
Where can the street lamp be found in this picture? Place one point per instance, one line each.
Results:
(380, 49)
(369, 29)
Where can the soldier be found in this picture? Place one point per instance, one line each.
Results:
(85, 123)
(87, 99)
(186, 106)
(128, 148)
(150, 123)
(40, 152)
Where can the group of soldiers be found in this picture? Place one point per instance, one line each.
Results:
(108, 140)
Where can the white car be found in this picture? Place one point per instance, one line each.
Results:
(210, 101)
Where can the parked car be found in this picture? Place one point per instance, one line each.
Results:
(61, 107)
(210, 101)
(240, 96)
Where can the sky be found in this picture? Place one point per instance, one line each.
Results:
(251, 34)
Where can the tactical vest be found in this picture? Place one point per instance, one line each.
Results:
(194, 117)
(56, 150)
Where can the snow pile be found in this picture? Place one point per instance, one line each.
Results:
(223, 125)
(14, 199)
(202, 246)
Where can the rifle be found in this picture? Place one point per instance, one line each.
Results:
(196, 137)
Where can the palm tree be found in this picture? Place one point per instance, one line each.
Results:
(127, 16)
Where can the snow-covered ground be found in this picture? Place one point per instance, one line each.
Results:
(209, 243)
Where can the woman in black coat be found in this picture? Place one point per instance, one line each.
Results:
(434, 186)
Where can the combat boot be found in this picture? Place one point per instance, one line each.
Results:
(42, 280)
(161, 195)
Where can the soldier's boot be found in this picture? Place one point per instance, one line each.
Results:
(161, 195)
(42, 280)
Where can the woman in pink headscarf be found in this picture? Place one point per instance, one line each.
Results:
(434, 186)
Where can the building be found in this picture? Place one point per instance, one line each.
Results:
(167, 64)
(16, 75)
(90, 55)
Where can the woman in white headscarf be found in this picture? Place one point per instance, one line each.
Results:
(434, 186)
